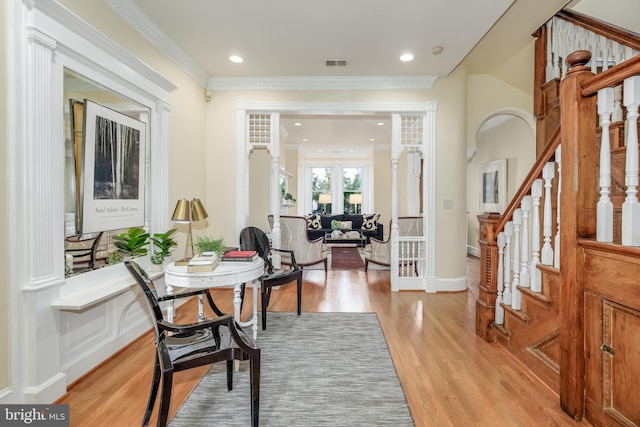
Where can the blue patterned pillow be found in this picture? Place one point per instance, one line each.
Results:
(313, 222)
(370, 222)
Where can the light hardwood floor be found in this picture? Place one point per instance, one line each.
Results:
(450, 376)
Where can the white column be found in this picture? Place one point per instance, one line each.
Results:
(499, 309)
(536, 194)
(631, 207)
(604, 221)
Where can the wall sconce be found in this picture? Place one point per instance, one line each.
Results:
(187, 212)
(355, 199)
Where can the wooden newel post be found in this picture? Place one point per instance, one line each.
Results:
(487, 286)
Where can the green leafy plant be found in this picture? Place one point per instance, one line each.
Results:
(157, 258)
(288, 197)
(335, 224)
(164, 242)
(132, 243)
(209, 244)
(114, 258)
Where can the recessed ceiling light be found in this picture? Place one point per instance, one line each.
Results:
(380, 123)
(372, 139)
(437, 50)
(297, 124)
(236, 58)
(406, 57)
(305, 139)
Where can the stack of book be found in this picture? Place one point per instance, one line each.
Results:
(206, 261)
(240, 256)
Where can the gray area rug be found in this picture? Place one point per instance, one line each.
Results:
(318, 369)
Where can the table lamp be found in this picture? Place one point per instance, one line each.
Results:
(355, 199)
(323, 199)
(187, 212)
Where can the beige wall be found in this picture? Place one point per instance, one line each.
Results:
(4, 217)
(511, 140)
(187, 119)
(382, 187)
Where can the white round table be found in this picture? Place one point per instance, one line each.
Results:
(227, 273)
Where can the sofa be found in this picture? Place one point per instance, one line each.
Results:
(370, 226)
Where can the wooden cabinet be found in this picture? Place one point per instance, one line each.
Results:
(612, 338)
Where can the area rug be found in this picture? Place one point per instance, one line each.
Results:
(317, 369)
(346, 258)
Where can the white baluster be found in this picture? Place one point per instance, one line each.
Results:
(631, 207)
(516, 298)
(525, 278)
(550, 51)
(563, 46)
(604, 214)
(500, 285)
(508, 234)
(595, 53)
(536, 274)
(547, 251)
(556, 242)
(617, 115)
(556, 50)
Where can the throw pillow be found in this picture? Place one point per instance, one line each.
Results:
(370, 222)
(345, 225)
(313, 222)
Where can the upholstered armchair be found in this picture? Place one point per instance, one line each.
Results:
(378, 252)
(293, 236)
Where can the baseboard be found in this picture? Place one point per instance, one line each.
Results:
(456, 284)
(47, 392)
(472, 250)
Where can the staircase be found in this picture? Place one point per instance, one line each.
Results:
(559, 268)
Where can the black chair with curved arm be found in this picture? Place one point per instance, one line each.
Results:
(254, 239)
(192, 345)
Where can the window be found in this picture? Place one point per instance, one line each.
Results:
(337, 189)
(320, 184)
(351, 185)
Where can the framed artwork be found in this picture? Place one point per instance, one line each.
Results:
(492, 180)
(113, 170)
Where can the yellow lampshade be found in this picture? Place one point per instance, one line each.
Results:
(324, 198)
(182, 212)
(198, 212)
(355, 199)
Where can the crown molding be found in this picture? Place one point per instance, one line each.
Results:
(132, 14)
(322, 83)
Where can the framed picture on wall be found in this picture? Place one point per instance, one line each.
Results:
(113, 170)
(492, 183)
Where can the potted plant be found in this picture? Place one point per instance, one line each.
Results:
(209, 244)
(164, 242)
(288, 199)
(132, 243)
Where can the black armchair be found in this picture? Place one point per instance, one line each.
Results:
(254, 239)
(192, 345)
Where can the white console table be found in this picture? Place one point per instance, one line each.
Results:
(229, 273)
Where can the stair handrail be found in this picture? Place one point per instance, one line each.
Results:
(617, 34)
(534, 173)
(611, 77)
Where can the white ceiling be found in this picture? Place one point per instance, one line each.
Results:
(289, 41)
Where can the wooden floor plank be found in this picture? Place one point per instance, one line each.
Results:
(449, 375)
